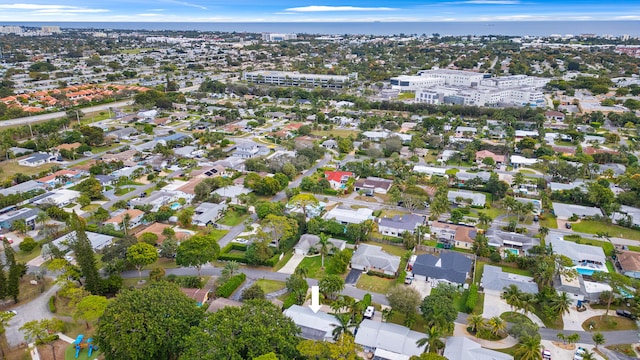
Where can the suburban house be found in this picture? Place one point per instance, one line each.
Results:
(128, 155)
(208, 213)
(482, 154)
(554, 115)
(157, 229)
(626, 211)
(200, 296)
(123, 133)
(37, 159)
(388, 341)
(338, 179)
(98, 241)
(556, 186)
(58, 197)
(462, 177)
(586, 258)
(510, 240)
(494, 280)
(520, 161)
(246, 149)
(460, 236)
(461, 348)
(462, 197)
(400, 224)
(105, 180)
(566, 211)
(349, 216)
(184, 190)
(211, 171)
(60, 177)
(466, 131)
(330, 144)
(30, 186)
(629, 263)
(313, 326)
(221, 303)
(373, 258)
(155, 200)
(232, 192)
(310, 241)
(135, 219)
(373, 185)
(450, 267)
(26, 214)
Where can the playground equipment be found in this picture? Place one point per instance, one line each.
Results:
(84, 345)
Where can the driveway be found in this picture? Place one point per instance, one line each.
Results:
(37, 309)
(352, 277)
(423, 287)
(292, 264)
(494, 305)
(563, 354)
(574, 319)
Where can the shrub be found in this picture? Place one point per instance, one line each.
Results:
(28, 244)
(366, 300)
(112, 285)
(289, 301)
(380, 274)
(52, 304)
(172, 277)
(225, 290)
(190, 282)
(472, 299)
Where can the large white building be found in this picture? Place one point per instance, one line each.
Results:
(412, 83)
(278, 37)
(454, 77)
(288, 78)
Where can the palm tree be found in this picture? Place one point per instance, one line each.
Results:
(302, 271)
(512, 295)
(543, 231)
(42, 218)
(562, 337)
(325, 246)
(588, 355)
(432, 340)
(561, 304)
(496, 325)
(529, 349)
(484, 219)
(475, 321)
(343, 326)
(509, 203)
(527, 303)
(126, 221)
(598, 339)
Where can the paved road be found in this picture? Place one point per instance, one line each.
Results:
(36, 309)
(59, 114)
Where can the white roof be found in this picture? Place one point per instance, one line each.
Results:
(313, 325)
(349, 216)
(517, 159)
(429, 170)
(390, 337)
(461, 348)
(567, 210)
(577, 252)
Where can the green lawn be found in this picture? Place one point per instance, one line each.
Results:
(407, 96)
(11, 167)
(514, 317)
(549, 221)
(314, 266)
(594, 227)
(218, 234)
(285, 259)
(336, 132)
(270, 286)
(493, 212)
(391, 249)
(526, 171)
(374, 284)
(90, 207)
(517, 271)
(99, 149)
(121, 191)
(612, 322)
(232, 218)
(420, 325)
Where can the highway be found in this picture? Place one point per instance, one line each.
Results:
(60, 114)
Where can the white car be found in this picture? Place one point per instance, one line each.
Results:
(579, 352)
(546, 354)
(369, 312)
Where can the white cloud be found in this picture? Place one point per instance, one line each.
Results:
(184, 3)
(321, 8)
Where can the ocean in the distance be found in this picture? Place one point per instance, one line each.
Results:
(513, 28)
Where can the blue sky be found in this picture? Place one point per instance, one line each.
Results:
(316, 10)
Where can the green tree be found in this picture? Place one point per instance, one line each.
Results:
(85, 256)
(141, 255)
(618, 283)
(325, 247)
(331, 285)
(237, 333)
(149, 238)
(404, 300)
(598, 339)
(439, 310)
(19, 226)
(90, 308)
(185, 216)
(529, 349)
(43, 332)
(432, 340)
(197, 251)
(147, 323)
(561, 303)
(343, 327)
(496, 325)
(512, 295)
(253, 292)
(475, 321)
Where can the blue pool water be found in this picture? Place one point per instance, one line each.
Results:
(175, 206)
(583, 271)
(513, 251)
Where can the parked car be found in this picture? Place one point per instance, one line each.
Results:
(567, 225)
(11, 312)
(625, 313)
(369, 312)
(579, 352)
(546, 354)
(408, 280)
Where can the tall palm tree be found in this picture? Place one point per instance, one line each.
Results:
(509, 203)
(588, 355)
(325, 246)
(496, 325)
(512, 295)
(432, 340)
(343, 326)
(543, 231)
(529, 349)
(42, 218)
(126, 221)
(484, 219)
(561, 304)
(527, 303)
(475, 321)
(302, 271)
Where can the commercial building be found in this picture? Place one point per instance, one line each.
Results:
(278, 37)
(288, 78)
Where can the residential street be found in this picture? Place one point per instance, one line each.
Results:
(36, 309)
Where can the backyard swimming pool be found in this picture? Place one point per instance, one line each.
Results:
(175, 206)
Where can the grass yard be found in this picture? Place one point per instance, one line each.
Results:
(479, 270)
(420, 325)
(526, 171)
(493, 212)
(407, 96)
(314, 266)
(514, 317)
(549, 221)
(29, 292)
(336, 132)
(270, 286)
(218, 234)
(99, 149)
(90, 207)
(392, 249)
(121, 191)
(374, 283)
(11, 167)
(285, 259)
(608, 323)
(25, 257)
(594, 227)
(163, 263)
(517, 271)
(232, 218)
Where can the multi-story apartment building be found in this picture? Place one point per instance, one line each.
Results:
(288, 78)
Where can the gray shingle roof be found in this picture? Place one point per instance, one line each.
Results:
(449, 266)
(493, 278)
(387, 336)
(405, 222)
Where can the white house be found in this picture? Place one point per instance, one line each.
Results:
(37, 159)
(135, 219)
(400, 224)
(349, 216)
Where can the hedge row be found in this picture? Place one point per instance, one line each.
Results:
(472, 299)
(225, 290)
(226, 256)
(380, 274)
(52, 304)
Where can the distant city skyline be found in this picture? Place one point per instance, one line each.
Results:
(317, 11)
